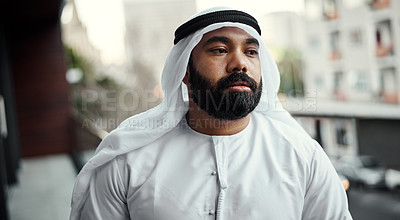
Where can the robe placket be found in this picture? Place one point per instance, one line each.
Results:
(221, 155)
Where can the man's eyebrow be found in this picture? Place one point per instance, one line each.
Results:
(217, 39)
(252, 41)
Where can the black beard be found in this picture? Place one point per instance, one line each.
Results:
(221, 104)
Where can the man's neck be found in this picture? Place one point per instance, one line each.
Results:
(203, 123)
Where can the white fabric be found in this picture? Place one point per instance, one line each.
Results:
(266, 171)
(142, 129)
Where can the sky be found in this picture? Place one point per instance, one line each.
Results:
(257, 8)
(104, 19)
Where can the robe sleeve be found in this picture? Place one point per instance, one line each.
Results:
(107, 194)
(325, 196)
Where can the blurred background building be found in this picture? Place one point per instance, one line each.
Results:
(149, 37)
(60, 93)
(351, 62)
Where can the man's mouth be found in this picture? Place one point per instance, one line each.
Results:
(240, 86)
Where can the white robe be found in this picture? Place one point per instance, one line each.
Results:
(266, 171)
(145, 128)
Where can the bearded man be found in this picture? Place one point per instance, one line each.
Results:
(228, 152)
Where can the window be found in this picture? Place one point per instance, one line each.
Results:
(389, 86)
(380, 4)
(384, 42)
(388, 80)
(337, 80)
(338, 86)
(335, 45)
(342, 136)
(358, 80)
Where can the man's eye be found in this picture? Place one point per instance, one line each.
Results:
(219, 50)
(252, 52)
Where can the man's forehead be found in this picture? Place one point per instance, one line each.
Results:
(227, 32)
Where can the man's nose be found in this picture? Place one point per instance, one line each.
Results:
(237, 63)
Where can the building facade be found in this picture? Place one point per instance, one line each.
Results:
(352, 53)
(352, 65)
(150, 27)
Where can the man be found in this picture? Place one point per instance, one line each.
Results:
(229, 152)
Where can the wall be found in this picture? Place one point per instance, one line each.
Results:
(37, 64)
(380, 138)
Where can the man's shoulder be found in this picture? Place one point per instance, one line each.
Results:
(134, 139)
(140, 157)
(286, 130)
(143, 133)
(288, 136)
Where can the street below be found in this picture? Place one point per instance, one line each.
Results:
(373, 204)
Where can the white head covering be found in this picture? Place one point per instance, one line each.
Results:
(140, 130)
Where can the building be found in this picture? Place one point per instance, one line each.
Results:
(352, 68)
(351, 50)
(150, 27)
(283, 29)
(74, 34)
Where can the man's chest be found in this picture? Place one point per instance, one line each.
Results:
(213, 179)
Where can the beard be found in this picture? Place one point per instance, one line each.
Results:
(218, 101)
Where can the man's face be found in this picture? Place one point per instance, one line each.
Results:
(225, 74)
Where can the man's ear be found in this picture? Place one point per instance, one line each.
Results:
(186, 77)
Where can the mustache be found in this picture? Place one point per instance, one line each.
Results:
(235, 77)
